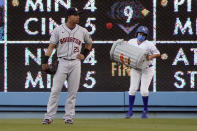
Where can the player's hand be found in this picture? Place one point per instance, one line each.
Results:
(80, 56)
(44, 67)
(164, 56)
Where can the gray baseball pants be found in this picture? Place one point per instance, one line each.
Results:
(69, 70)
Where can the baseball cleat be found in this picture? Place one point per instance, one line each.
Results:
(69, 121)
(144, 115)
(129, 115)
(46, 121)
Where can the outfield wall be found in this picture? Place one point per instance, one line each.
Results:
(100, 101)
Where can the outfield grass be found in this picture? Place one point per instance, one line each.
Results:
(101, 125)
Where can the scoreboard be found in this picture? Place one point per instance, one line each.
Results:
(40, 18)
(28, 24)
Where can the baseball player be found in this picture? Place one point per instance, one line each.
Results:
(68, 39)
(142, 78)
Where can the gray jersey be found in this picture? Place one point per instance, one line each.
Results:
(69, 42)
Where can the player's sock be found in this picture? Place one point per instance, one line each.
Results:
(145, 101)
(131, 102)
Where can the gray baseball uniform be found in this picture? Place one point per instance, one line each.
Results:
(69, 44)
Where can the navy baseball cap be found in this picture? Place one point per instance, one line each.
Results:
(73, 11)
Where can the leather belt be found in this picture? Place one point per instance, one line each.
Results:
(67, 59)
(150, 65)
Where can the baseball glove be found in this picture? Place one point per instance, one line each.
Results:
(51, 68)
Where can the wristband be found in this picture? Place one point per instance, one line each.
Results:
(45, 59)
(85, 52)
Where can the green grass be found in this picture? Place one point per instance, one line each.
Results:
(101, 125)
